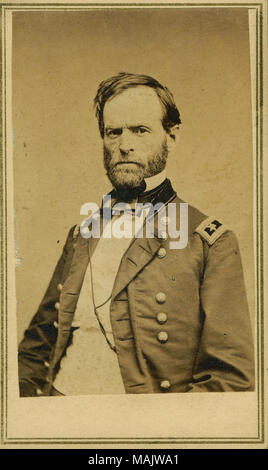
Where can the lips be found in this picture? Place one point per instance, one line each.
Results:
(127, 163)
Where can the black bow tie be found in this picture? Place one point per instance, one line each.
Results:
(128, 195)
(140, 193)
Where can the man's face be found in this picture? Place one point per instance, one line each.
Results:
(135, 142)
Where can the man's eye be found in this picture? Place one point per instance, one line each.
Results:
(113, 132)
(139, 130)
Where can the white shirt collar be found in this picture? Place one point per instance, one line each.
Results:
(154, 181)
(151, 183)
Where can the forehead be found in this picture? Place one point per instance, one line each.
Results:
(139, 105)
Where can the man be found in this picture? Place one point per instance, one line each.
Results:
(134, 315)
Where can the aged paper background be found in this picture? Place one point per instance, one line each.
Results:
(58, 59)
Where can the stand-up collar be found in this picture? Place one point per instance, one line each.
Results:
(161, 193)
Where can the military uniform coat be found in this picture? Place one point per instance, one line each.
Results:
(179, 317)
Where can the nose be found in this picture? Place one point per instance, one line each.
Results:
(126, 144)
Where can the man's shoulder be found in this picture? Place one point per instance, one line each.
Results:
(195, 216)
(72, 235)
(209, 227)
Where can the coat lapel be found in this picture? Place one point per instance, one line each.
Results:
(140, 253)
(69, 295)
(142, 250)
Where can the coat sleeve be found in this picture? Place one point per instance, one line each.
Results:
(39, 339)
(225, 359)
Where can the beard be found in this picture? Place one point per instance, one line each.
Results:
(132, 175)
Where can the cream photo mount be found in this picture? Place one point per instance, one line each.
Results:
(231, 420)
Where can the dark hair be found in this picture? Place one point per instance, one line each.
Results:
(122, 81)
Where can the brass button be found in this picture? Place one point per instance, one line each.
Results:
(161, 252)
(39, 392)
(57, 305)
(163, 235)
(59, 287)
(160, 297)
(165, 220)
(161, 317)
(165, 385)
(46, 364)
(56, 325)
(162, 337)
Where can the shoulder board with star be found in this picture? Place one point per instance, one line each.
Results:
(211, 229)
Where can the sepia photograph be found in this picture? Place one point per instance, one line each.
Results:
(133, 252)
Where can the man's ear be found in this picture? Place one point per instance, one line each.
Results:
(173, 136)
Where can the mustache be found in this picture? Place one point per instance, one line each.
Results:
(113, 159)
(122, 162)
